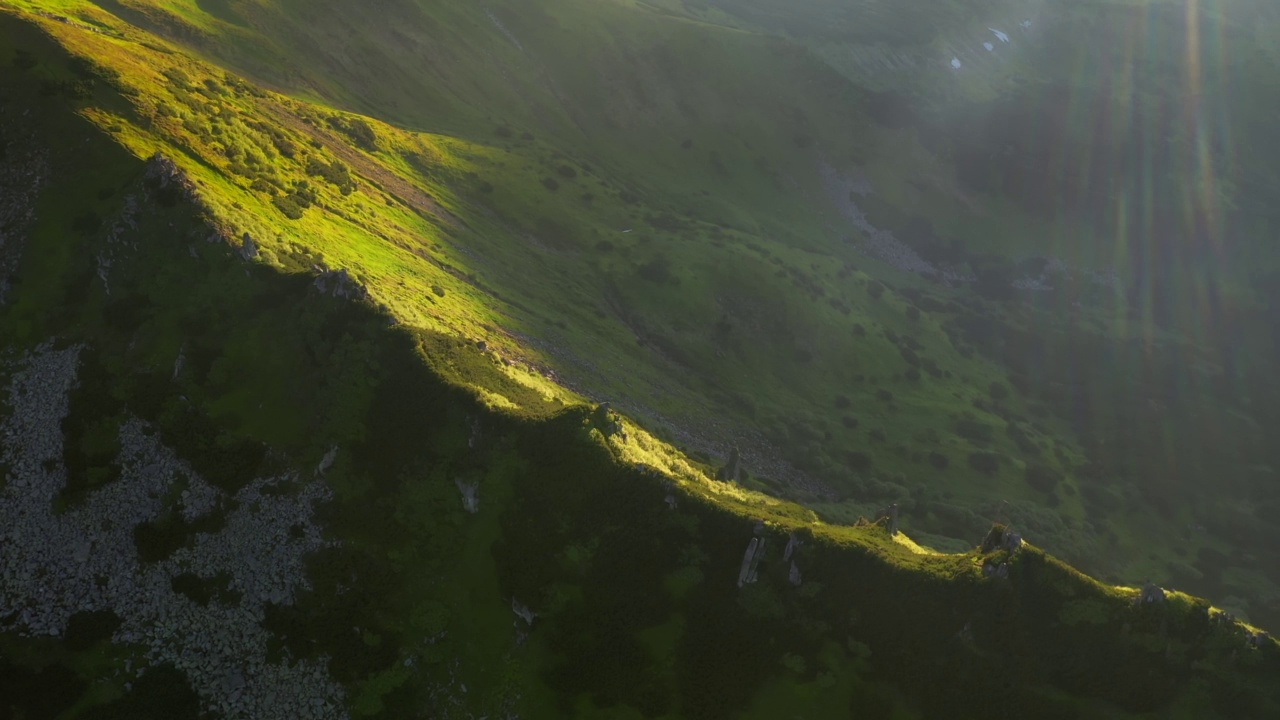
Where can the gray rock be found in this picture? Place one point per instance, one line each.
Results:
(327, 461)
(793, 545)
(470, 495)
(732, 470)
(744, 572)
(1151, 595)
(248, 248)
(1010, 541)
(522, 612)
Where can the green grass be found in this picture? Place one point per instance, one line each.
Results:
(750, 326)
(727, 313)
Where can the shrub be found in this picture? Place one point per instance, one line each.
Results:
(485, 187)
(884, 395)
(859, 330)
(657, 270)
(913, 312)
(87, 629)
(178, 77)
(550, 184)
(849, 421)
(858, 461)
(986, 463)
(1043, 478)
(998, 391)
(604, 246)
(156, 541)
(842, 401)
(357, 130)
(503, 131)
(875, 289)
(283, 145)
(566, 172)
(938, 460)
(439, 291)
(336, 173)
(913, 375)
(287, 205)
(973, 431)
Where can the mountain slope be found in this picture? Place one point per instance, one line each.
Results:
(520, 267)
(729, 204)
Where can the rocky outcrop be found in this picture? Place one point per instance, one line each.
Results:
(248, 248)
(748, 573)
(523, 612)
(470, 495)
(327, 461)
(793, 544)
(85, 559)
(879, 243)
(1151, 594)
(732, 470)
(164, 175)
(340, 284)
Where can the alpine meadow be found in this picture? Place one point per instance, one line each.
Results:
(639, 359)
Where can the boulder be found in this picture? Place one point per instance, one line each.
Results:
(522, 611)
(999, 571)
(793, 544)
(248, 248)
(747, 573)
(732, 470)
(327, 461)
(1151, 594)
(340, 284)
(744, 571)
(470, 495)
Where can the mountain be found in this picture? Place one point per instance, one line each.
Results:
(585, 358)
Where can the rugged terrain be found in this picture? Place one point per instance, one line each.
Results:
(308, 311)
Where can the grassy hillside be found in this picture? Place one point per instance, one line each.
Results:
(640, 144)
(667, 209)
(637, 611)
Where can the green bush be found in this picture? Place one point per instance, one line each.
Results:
(287, 205)
(657, 270)
(986, 463)
(87, 629)
(1043, 478)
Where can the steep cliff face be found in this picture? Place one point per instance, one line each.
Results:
(266, 467)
